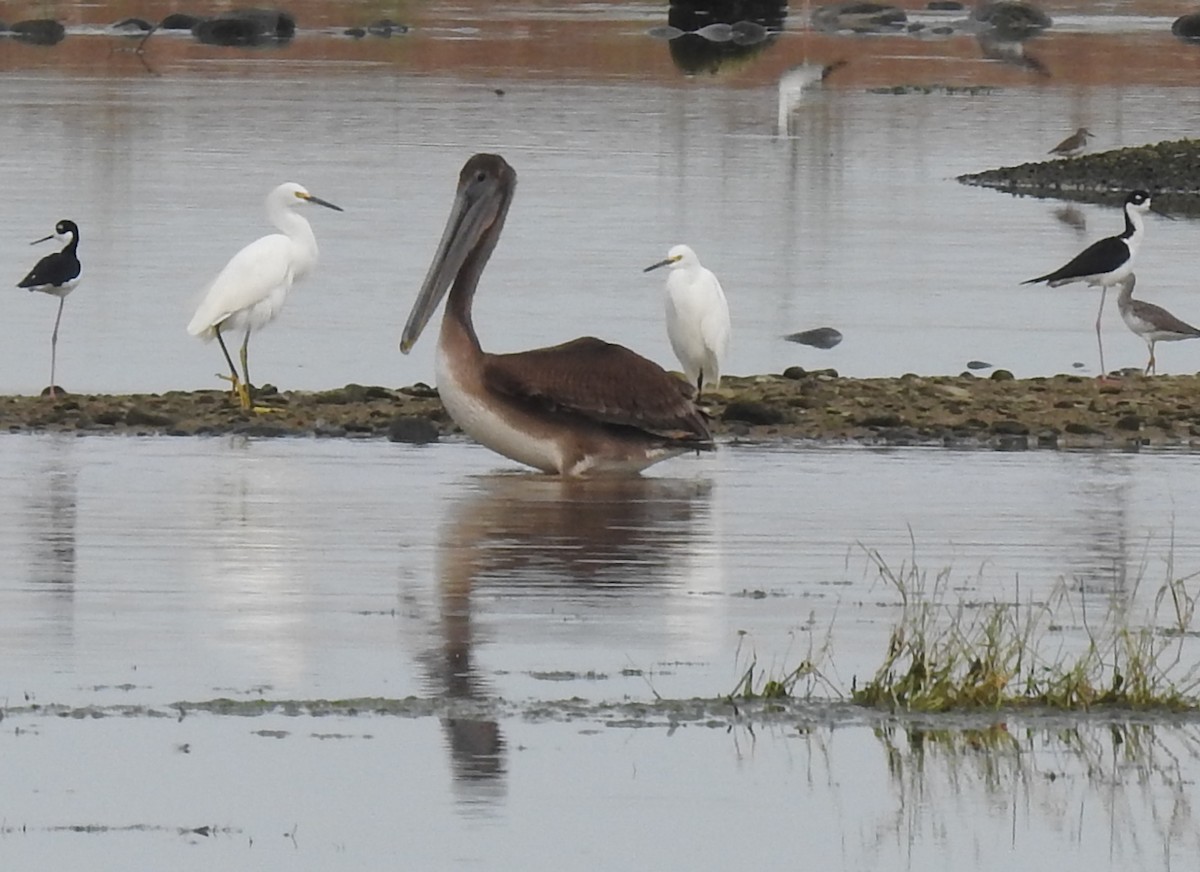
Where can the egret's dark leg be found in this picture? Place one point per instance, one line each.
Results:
(1152, 367)
(54, 345)
(233, 377)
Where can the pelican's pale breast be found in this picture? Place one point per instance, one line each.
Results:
(489, 426)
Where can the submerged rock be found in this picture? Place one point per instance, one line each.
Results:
(1187, 27)
(385, 28)
(39, 31)
(179, 21)
(246, 27)
(1011, 19)
(132, 27)
(859, 17)
(818, 337)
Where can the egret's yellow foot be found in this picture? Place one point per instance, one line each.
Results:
(235, 383)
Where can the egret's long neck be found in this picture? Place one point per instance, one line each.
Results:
(297, 228)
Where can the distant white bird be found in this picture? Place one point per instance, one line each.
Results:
(697, 317)
(56, 274)
(249, 292)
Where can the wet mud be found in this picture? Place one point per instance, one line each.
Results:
(1128, 411)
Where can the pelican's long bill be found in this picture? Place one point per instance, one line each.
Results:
(480, 201)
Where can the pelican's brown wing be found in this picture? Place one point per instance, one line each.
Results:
(601, 381)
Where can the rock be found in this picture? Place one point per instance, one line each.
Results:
(1009, 428)
(39, 31)
(385, 28)
(944, 6)
(716, 32)
(1187, 27)
(795, 373)
(752, 412)
(137, 417)
(749, 33)
(1002, 375)
(246, 27)
(412, 429)
(1011, 19)
(179, 21)
(132, 27)
(354, 32)
(859, 17)
(818, 337)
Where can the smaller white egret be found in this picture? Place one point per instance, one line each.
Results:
(56, 274)
(697, 317)
(249, 292)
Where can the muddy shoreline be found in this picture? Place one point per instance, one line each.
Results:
(1125, 412)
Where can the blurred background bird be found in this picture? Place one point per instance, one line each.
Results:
(250, 291)
(56, 274)
(1073, 144)
(697, 317)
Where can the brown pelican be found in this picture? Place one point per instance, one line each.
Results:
(583, 407)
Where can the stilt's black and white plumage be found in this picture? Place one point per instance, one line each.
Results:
(1106, 262)
(1152, 323)
(56, 274)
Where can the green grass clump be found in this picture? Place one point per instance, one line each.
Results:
(945, 656)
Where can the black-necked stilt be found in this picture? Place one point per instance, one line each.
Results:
(1107, 261)
(1152, 323)
(56, 274)
(249, 292)
(697, 317)
(1073, 144)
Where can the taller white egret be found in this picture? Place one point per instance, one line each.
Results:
(697, 317)
(56, 274)
(580, 408)
(249, 292)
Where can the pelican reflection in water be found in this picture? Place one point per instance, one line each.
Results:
(581, 408)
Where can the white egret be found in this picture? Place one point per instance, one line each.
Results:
(1152, 323)
(697, 317)
(249, 292)
(579, 408)
(56, 274)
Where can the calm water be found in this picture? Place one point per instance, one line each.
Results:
(854, 221)
(146, 572)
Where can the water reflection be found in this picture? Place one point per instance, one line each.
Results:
(524, 533)
(50, 516)
(1124, 788)
(715, 34)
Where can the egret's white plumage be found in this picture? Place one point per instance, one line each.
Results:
(250, 291)
(697, 317)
